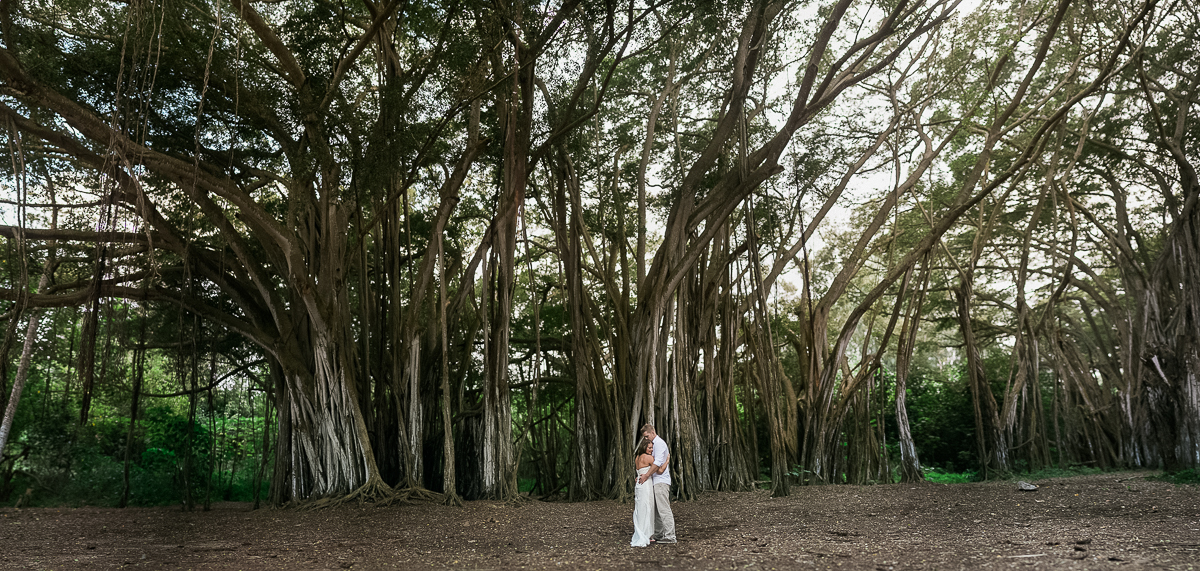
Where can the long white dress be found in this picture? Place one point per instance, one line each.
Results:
(643, 511)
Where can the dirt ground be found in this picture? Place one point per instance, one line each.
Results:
(1095, 522)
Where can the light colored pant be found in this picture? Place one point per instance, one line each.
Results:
(664, 520)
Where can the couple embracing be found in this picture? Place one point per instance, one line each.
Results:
(653, 521)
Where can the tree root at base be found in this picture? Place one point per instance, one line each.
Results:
(374, 492)
(412, 493)
(452, 499)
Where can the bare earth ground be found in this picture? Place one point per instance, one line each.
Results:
(1109, 521)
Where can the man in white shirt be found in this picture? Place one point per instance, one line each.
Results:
(664, 520)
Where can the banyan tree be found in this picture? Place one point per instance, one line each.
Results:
(460, 244)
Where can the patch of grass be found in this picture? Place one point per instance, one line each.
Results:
(1067, 472)
(1191, 477)
(939, 476)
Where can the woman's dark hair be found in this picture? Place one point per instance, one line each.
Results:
(642, 446)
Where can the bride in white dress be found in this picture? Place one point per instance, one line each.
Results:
(643, 493)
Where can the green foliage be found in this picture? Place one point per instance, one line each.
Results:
(1188, 477)
(939, 476)
(76, 465)
(943, 428)
(1067, 472)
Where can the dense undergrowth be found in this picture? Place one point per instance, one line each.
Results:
(935, 475)
(1191, 477)
(171, 459)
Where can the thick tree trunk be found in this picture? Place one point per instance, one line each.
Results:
(725, 461)
(777, 403)
(1170, 313)
(284, 476)
(329, 453)
(449, 480)
(910, 464)
(10, 410)
(35, 316)
(139, 375)
(598, 453)
(992, 447)
(87, 356)
(499, 476)
(329, 449)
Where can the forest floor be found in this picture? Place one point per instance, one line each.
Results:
(1106, 521)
